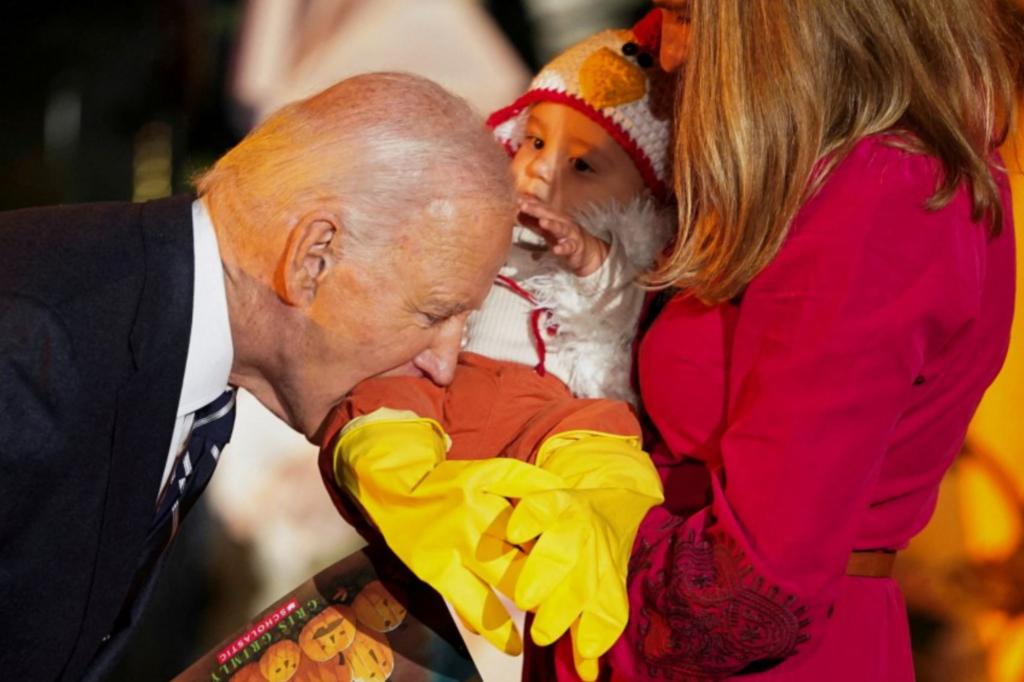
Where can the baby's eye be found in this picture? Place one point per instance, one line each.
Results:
(581, 166)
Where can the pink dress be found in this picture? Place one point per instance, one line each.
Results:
(827, 404)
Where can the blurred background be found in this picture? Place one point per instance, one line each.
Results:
(128, 101)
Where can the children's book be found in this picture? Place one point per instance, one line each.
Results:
(363, 619)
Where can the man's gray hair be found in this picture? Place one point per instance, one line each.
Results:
(391, 149)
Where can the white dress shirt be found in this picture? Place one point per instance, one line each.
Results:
(210, 351)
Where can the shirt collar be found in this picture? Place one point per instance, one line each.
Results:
(210, 351)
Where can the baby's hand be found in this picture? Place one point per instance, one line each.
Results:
(582, 252)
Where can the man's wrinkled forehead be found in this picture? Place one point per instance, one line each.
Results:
(466, 220)
(448, 286)
(460, 229)
(464, 245)
(441, 210)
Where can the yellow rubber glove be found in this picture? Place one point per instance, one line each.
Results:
(444, 520)
(575, 573)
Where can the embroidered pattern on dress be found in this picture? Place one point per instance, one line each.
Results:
(709, 614)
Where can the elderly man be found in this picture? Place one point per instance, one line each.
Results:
(347, 236)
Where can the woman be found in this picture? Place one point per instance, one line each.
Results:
(841, 296)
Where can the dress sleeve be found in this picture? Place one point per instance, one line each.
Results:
(829, 341)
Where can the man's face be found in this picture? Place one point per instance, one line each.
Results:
(568, 161)
(404, 310)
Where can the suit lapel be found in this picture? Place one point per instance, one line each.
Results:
(146, 408)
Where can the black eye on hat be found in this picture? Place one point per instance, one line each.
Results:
(631, 49)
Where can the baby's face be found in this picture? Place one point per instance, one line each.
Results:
(568, 161)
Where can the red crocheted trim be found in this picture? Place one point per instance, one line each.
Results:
(640, 159)
(542, 349)
(504, 114)
(514, 286)
(536, 319)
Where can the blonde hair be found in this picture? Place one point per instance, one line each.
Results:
(773, 87)
(1011, 24)
(390, 149)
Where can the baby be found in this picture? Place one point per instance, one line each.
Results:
(589, 143)
(544, 375)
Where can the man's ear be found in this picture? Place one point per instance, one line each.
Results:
(309, 257)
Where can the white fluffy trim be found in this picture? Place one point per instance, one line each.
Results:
(641, 226)
(597, 319)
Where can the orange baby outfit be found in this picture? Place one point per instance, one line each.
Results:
(491, 408)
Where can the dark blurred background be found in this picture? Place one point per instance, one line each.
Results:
(113, 100)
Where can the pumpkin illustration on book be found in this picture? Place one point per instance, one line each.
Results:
(333, 670)
(377, 609)
(279, 662)
(328, 633)
(370, 659)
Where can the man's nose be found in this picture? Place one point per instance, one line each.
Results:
(439, 360)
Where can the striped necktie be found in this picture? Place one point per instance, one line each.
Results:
(211, 431)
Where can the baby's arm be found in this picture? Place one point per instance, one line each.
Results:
(582, 252)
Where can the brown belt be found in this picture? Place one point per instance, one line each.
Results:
(871, 563)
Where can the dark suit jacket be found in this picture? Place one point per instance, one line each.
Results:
(95, 313)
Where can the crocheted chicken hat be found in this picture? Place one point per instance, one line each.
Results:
(612, 77)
